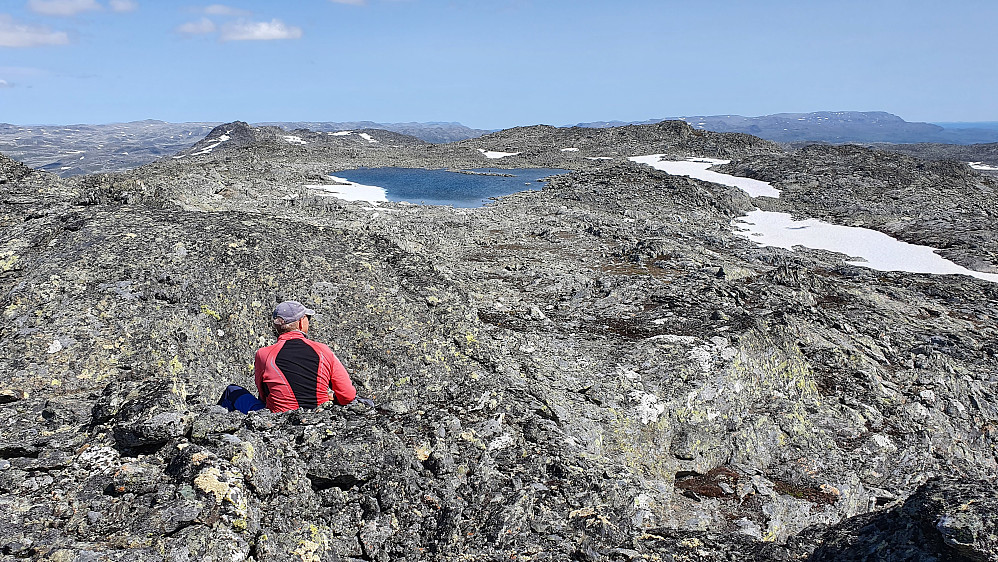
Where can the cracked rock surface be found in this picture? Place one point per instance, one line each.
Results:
(600, 370)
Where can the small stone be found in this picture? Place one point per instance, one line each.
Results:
(536, 314)
(7, 396)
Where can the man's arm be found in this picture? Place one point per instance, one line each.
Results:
(339, 382)
(259, 365)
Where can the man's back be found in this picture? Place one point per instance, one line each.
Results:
(297, 372)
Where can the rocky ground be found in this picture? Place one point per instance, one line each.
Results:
(598, 371)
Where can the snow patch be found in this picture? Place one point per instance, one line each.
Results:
(494, 154)
(873, 249)
(206, 150)
(697, 168)
(366, 137)
(341, 133)
(352, 191)
(293, 139)
(573, 149)
(982, 166)
(599, 157)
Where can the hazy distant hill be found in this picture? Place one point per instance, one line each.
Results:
(836, 127)
(78, 149)
(69, 150)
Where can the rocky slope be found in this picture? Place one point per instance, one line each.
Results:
(942, 204)
(598, 371)
(980, 153)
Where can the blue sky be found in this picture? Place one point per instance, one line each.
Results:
(492, 64)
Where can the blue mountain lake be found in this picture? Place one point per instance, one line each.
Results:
(443, 187)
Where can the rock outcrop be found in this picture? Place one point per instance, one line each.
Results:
(942, 204)
(598, 371)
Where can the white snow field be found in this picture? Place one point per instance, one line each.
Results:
(873, 249)
(493, 154)
(697, 168)
(351, 191)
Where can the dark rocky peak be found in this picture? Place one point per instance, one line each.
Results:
(239, 134)
(223, 137)
(11, 170)
(237, 131)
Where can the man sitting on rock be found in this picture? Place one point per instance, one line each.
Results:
(295, 372)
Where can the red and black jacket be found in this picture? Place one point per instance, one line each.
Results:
(297, 372)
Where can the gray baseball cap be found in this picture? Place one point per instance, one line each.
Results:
(291, 311)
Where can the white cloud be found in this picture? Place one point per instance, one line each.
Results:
(63, 7)
(13, 34)
(201, 27)
(123, 5)
(259, 31)
(5, 84)
(223, 10)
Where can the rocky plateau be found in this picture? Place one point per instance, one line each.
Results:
(601, 370)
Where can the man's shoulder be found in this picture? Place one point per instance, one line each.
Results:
(318, 345)
(266, 349)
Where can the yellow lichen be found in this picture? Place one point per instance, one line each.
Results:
(208, 482)
(174, 366)
(209, 312)
(7, 261)
(307, 551)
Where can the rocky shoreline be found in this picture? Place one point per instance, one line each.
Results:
(600, 370)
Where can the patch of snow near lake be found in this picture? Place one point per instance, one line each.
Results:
(876, 249)
(352, 191)
(494, 154)
(292, 139)
(570, 150)
(982, 166)
(697, 168)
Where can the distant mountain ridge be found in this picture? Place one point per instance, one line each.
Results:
(69, 150)
(435, 132)
(834, 127)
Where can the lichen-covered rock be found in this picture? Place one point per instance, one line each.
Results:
(598, 371)
(945, 519)
(143, 413)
